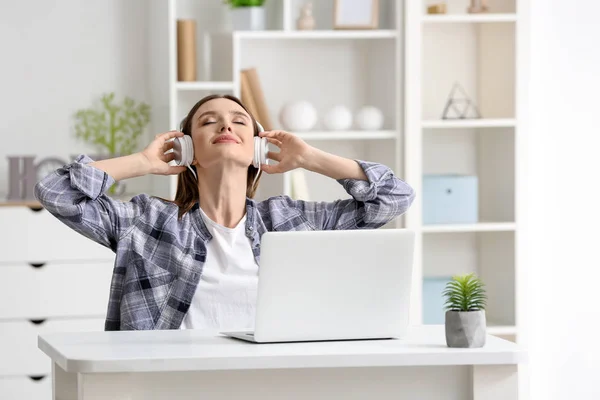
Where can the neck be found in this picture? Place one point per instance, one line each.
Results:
(223, 194)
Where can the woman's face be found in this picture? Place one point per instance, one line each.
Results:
(223, 133)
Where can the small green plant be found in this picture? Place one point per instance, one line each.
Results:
(465, 293)
(244, 3)
(114, 128)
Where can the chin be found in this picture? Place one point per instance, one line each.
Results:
(225, 160)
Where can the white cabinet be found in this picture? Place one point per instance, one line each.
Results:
(52, 279)
(23, 387)
(31, 236)
(54, 289)
(18, 343)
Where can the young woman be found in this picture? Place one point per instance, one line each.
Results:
(193, 262)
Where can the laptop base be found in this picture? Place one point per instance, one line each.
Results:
(249, 337)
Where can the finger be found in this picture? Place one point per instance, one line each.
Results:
(169, 135)
(174, 170)
(274, 156)
(274, 134)
(275, 142)
(169, 157)
(168, 145)
(271, 169)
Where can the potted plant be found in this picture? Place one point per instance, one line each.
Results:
(465, 311)
(113, 128)
(247, 15)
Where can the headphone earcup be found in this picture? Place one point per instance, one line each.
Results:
(260, 151)
(183, 147)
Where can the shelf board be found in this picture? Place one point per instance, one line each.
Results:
(347, 135)
(24, 203)
(469, 123)
(469, 18)
(318, 34)
(207, 85)
(503, 330)
(481, 227)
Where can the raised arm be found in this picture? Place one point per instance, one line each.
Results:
(76, 193)
(378, 196)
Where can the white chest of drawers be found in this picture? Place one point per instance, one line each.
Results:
(52, 279)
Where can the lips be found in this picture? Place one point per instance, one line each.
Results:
(225, 139)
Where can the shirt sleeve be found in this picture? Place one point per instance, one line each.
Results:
(375, 202)
(75, 194)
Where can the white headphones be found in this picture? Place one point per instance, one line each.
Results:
(183, 148)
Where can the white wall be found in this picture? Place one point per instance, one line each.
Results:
(59, 56)
(563, 216)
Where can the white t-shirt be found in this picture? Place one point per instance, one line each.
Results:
(225, 297)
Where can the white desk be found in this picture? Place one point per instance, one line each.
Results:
(196, 365)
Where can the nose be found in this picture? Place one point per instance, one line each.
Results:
(226, 127)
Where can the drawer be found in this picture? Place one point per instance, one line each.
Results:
(22, 387)
(38, 236)
(54, 290)
(19, 344)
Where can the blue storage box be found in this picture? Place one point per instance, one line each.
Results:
(433, 300)
(450, 199)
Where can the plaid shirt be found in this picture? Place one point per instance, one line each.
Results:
(159, 258)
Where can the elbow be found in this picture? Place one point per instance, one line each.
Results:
(50, 197)
(401, 202)
(410, 197)
(406, 199)
(39, 192)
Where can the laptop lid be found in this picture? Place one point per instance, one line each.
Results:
(334, 285)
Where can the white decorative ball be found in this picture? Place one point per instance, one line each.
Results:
(298, 116)
(369, 118)
(338, 118)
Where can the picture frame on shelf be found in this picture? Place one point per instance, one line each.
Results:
(356, 14)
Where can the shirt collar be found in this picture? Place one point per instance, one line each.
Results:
(251, 225)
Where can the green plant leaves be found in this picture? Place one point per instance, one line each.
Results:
(112, 127)
(244, 3)
(465, 293)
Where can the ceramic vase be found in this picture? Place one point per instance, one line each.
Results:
(298, 116)
(338, 118)
(369, 118)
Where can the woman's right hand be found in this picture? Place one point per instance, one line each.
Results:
(157, 160)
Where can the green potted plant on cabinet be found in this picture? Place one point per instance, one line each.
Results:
(465, 321)
(247, 15)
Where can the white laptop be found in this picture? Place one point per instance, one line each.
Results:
(333, 285)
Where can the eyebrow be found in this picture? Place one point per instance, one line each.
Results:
(234, 112)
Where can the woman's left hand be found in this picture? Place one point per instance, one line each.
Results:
(293, 152)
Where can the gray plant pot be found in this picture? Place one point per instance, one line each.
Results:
(465, 329)
(248, 18)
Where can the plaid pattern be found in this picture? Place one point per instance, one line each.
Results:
(159, 259)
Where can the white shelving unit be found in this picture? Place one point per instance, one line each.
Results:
(407, 68)
(478, 51)
(338, 58)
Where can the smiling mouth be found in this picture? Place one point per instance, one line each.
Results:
(225, 140)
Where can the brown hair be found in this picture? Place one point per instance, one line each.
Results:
(187, 193)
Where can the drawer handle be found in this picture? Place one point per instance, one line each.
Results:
(37, 378)
(37, 265)
(37, 321)
(36, 208)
